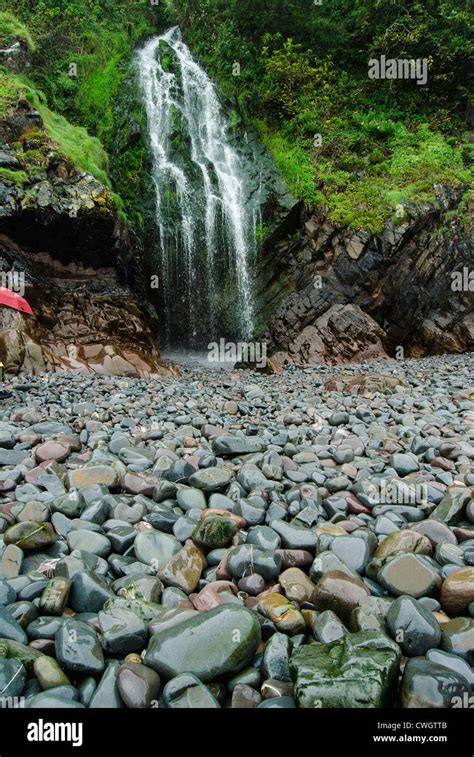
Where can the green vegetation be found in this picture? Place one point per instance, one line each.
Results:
(352, 147)
(12, 30)
(16, 177)
(74, 142)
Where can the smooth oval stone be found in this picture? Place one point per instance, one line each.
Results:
(297, 586)
(210, 479)
(49, 673)
(86, 690)
(10, 564)
(248, 559)
(30, 535)
(139, 686)
(282, 613)
(78, 648)
(457, 591)
(171, 618)
(244, 697)
(97, 544)
(214, 532)
(218, 642)
(83, 478)
(404, 541)
(122, 631)
(12, 678)
(358, 670)
(413, 627)
(155, 548)
(187, 691)
(253, 584)
(189, 498)
(407, 574)
(428, 685)
(340, 593)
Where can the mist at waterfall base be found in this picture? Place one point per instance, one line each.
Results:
(207, 210)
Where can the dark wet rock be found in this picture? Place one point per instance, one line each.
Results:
(78, 649)
(188, 692)
(221, 641)
(358, 670)
(413, 627)
(426, 684)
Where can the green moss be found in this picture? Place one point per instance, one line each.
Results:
(74, 142)
(11, 29)
(15, 177)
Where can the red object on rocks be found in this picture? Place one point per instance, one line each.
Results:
(13, 300)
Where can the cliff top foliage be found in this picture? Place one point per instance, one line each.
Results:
(351, 146)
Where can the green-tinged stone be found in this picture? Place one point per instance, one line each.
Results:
(30, 535)
(54, 597)
(49, 673)
(12, 678)
(358, 670)
(214, 531)
(24, 654)
(215, 643)
(184, 569)
(451, 507)
(186, 691)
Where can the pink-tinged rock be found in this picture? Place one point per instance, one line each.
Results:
(222, 571)
(225, 514)
(52, 450)
(356, 507)
(443, 463)
(32, 476)
(139, 483)
(295, 558)
(271, 588)
(207, 599)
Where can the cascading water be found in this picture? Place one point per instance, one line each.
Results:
(205, 218)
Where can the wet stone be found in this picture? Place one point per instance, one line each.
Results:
(413, 627)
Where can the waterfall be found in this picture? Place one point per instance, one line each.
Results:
(206, 214)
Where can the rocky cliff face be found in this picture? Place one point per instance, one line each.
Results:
(328, 295)
(81, 269)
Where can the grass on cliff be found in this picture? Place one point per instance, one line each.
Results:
(11, 29)
(74, 142)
